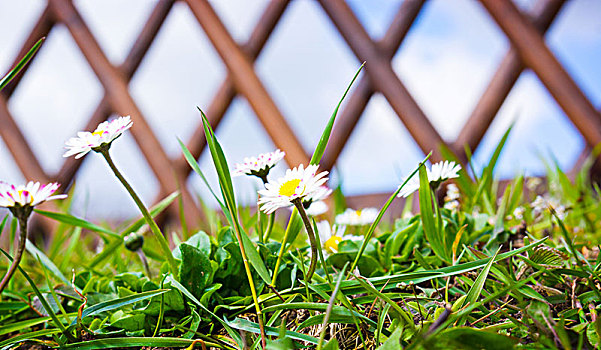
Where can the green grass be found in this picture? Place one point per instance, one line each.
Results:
(492, 271)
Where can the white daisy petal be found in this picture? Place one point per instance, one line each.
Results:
(439, 172)
(259, 165)
(105, 133)
(30, 194)
(296, 183)
(359, 217)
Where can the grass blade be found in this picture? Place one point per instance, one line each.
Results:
(325, 136)
(45, 304)
(33, 250)
(130, 342)
(474, 293)
(75, 221)
(120, 302)
(28, 56)
(374, 224)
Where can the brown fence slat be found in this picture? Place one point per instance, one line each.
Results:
(501, 84)
(362, 93)
(226, 92)
(122, 103)
(127, 69)
(248, 84)
(383, 77)
(18, 147)
(537, 56)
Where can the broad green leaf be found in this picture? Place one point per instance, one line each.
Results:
(128, 322)
(199, 240)
(332, 345)
(394, 242)
(235, 335)
(470, 338)
(195, 271)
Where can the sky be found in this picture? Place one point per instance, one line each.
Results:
(445, 62)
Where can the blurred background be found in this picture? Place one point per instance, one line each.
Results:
(446, 61)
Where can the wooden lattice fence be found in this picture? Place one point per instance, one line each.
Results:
(525, 31)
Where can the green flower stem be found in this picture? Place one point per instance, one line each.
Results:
(250, 282)
(269, 227)
(298, 203)
(153, 226)
(22, 218)
(283, 247)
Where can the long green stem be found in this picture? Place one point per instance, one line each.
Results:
(250, 281)
(154, 228)
(298, 203)
(22, 240)
(283, 246)
(269, 227)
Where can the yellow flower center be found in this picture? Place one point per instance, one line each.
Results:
(332, 244)
(288, 188)
(98, 133)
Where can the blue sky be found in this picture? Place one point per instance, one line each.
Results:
(445, 62)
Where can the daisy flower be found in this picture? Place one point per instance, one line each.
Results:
(361, 217)
(20, 200)
(452, 193)
(104, 134)
(443, 170)
(32, 194)
(518, 213)
(440, 172)
(258, 166)
(451, 201)
(452, 205)
(541, 204)
(330, 237)
(296, 184)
